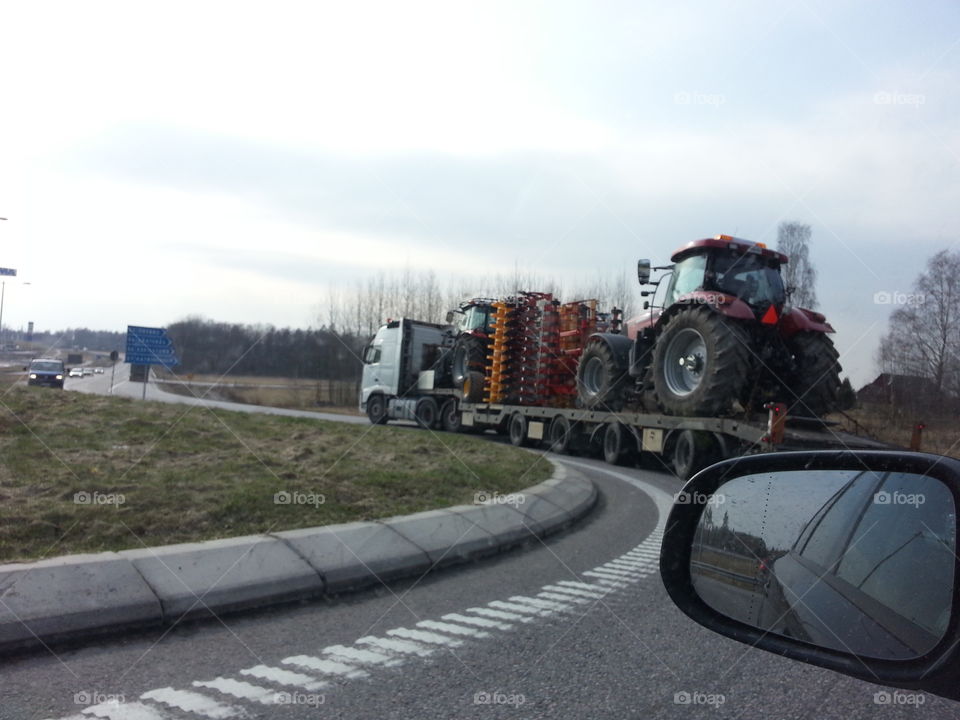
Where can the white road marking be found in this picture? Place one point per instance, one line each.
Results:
(479, 622)
(123, 711)
(615, 571)
(584, 586)
(537, 603)
(194, 703)
(285, 677)
(364, 657)
(400, 646)
(561, 598)
(499, 614)
(327, 667)
(427, 637)
(575, 592)
(608, 575)
(499, 604)
(240, 689)
(452, 629)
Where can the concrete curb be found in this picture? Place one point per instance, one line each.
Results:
(77, 596)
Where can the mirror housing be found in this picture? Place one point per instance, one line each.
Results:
(643, 271)
(937, 671)
(449, 317)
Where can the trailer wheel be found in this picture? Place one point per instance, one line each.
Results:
(377, 409)
(619, 446)
(427, 413)
(518, 430)
(559, 435)
(450, 416)
(691, 451)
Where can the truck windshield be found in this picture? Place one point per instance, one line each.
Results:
(752, 278)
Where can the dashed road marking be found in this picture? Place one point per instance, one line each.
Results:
(285, 677)
(240, 689)
(193, 703)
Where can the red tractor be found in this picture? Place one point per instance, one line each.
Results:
(474, 331)
(720, 333)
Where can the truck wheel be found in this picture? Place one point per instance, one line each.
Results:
(469, 354)
(518, 430)
(427, 413)
(701, 363)
(377, 409)
(450, 416)
(691, 451)
(473, 387)
(815, 384)
(601, 382)
(559, 435)
(619, 446)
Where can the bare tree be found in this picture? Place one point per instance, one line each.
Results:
(799, 275)
(924, 335)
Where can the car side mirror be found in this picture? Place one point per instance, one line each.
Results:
(643, 271)
(845, 560)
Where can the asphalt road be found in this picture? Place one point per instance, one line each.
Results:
(577, 626)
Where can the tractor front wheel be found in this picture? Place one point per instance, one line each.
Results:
(601, 382)
(701, 363)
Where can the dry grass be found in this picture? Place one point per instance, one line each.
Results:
(188, 474)
(941, 434)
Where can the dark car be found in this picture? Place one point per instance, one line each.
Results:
(44, 371)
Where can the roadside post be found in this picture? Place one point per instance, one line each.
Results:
(114, 356)
(148, 346)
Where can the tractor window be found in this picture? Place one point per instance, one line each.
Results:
(752, 278)
(475, 318)
(687, 277)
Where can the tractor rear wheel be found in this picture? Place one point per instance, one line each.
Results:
(814, 387)
(701, 363)
(469, 354)
(601, 382)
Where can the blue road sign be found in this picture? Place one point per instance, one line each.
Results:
(149, 346)
(8, 271)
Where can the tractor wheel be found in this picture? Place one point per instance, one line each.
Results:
(427, 413)
(601, 382)
(377, 409)
(469, 354)
(473, 387)
(815, 383)
(701, 363)
(450, 416)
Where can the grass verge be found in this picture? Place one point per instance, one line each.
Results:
(86, 473)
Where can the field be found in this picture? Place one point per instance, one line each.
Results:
(85, 473)
(941, 434)
(326, 395)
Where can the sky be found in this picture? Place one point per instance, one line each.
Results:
(237, 160)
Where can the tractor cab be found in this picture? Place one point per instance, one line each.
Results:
(733, 267)
(475, 317)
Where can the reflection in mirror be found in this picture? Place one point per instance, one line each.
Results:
(856, 561)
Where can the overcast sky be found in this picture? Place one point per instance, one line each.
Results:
(234, 159)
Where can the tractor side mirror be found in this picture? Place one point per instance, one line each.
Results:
(449, 317)
(846, 560)
(643, 271)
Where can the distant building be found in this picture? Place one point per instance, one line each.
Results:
(906, 392)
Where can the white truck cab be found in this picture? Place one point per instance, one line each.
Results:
(405, 361)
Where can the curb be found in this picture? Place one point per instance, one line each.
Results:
(79, 596)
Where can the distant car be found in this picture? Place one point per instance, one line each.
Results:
(98, 371)
(45, 371)
(87, 371)
(76, 372)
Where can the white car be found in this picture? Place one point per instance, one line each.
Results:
(75, 372)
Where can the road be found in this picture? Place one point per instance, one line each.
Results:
(118, 384)
(577, 626)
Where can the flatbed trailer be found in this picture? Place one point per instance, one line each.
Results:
(687, 444)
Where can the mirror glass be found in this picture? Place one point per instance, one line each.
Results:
(643, 271)
(856, 561)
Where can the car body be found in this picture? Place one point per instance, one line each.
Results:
(48, 372)
(98, 371)
(87, 371)
(75, 372)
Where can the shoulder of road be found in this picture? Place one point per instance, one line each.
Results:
(78, 596)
